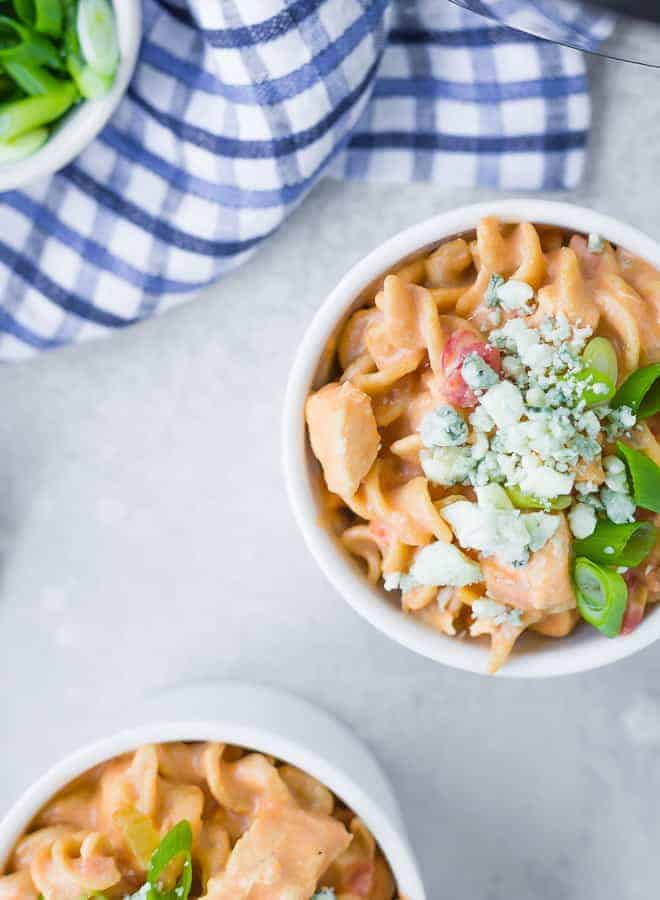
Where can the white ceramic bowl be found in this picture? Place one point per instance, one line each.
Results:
(260, 718)
(80, 126)
(534, 656)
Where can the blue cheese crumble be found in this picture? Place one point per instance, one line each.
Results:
(582, 520)
(515, 295)
(505, 533)
(614, 495)
(491, 290)
(595, 243)
(443, 565)
(497, 612)
(504, 403)
(443, 427)
(476, 372)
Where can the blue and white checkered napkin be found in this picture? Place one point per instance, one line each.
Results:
(238, 107)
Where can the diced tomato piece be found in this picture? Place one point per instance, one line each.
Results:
(361, 879)
(461, 344)
(636, 603)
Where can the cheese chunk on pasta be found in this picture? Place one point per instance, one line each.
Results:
(544, 583)
(343, 434)
(281, 857)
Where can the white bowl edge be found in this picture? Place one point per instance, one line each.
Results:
(254, 716)
(562, 657)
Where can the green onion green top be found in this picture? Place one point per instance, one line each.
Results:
(644, 476)
(617, 545)
(177, 844)
(641, 392)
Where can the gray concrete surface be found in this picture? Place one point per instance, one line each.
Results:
(145, 540)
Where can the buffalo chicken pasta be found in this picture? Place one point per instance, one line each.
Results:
(489, 439)
(179, 820)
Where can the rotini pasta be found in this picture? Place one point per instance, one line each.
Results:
(473, 434)
(199, 820)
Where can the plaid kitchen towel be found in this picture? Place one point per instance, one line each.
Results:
(238, 107)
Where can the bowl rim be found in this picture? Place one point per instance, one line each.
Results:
(250, 727)
(366, 600)
(81, 125)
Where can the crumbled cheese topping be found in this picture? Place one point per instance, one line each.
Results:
(444, 565)
(476, 372)
(490, 609)
(507, 534)
(595, 243)
(533, 428)
(582, 520)
(491, 291)
(619, 508)
(515, 295)
(504, 403)
(443, 427)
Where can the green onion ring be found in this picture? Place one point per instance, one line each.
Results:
(602, 596)
(91, 84)
(600, 369)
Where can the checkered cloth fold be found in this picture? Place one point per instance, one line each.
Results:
(238, 107)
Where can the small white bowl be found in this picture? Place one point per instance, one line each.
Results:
(79, 127)
(534, 656)
(262, 719)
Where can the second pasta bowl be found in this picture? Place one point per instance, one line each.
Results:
(470, 434)
(218, 788)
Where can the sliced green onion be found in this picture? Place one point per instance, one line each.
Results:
(527, 501)
(42, 15)
(23, 146)
(20, 116)
(600, 369)
(644, 476)
(32, 79)
(90, 83)
(97, 33)
(7, 86)
(618, 545)
(23, 45)
(602, 596)
(177, 842)
(641, 391)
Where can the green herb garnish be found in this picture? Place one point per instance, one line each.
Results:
(176, 844)
(600, 371)
(644, 476)
(641, 392)
(602, 596)
(617, 545)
